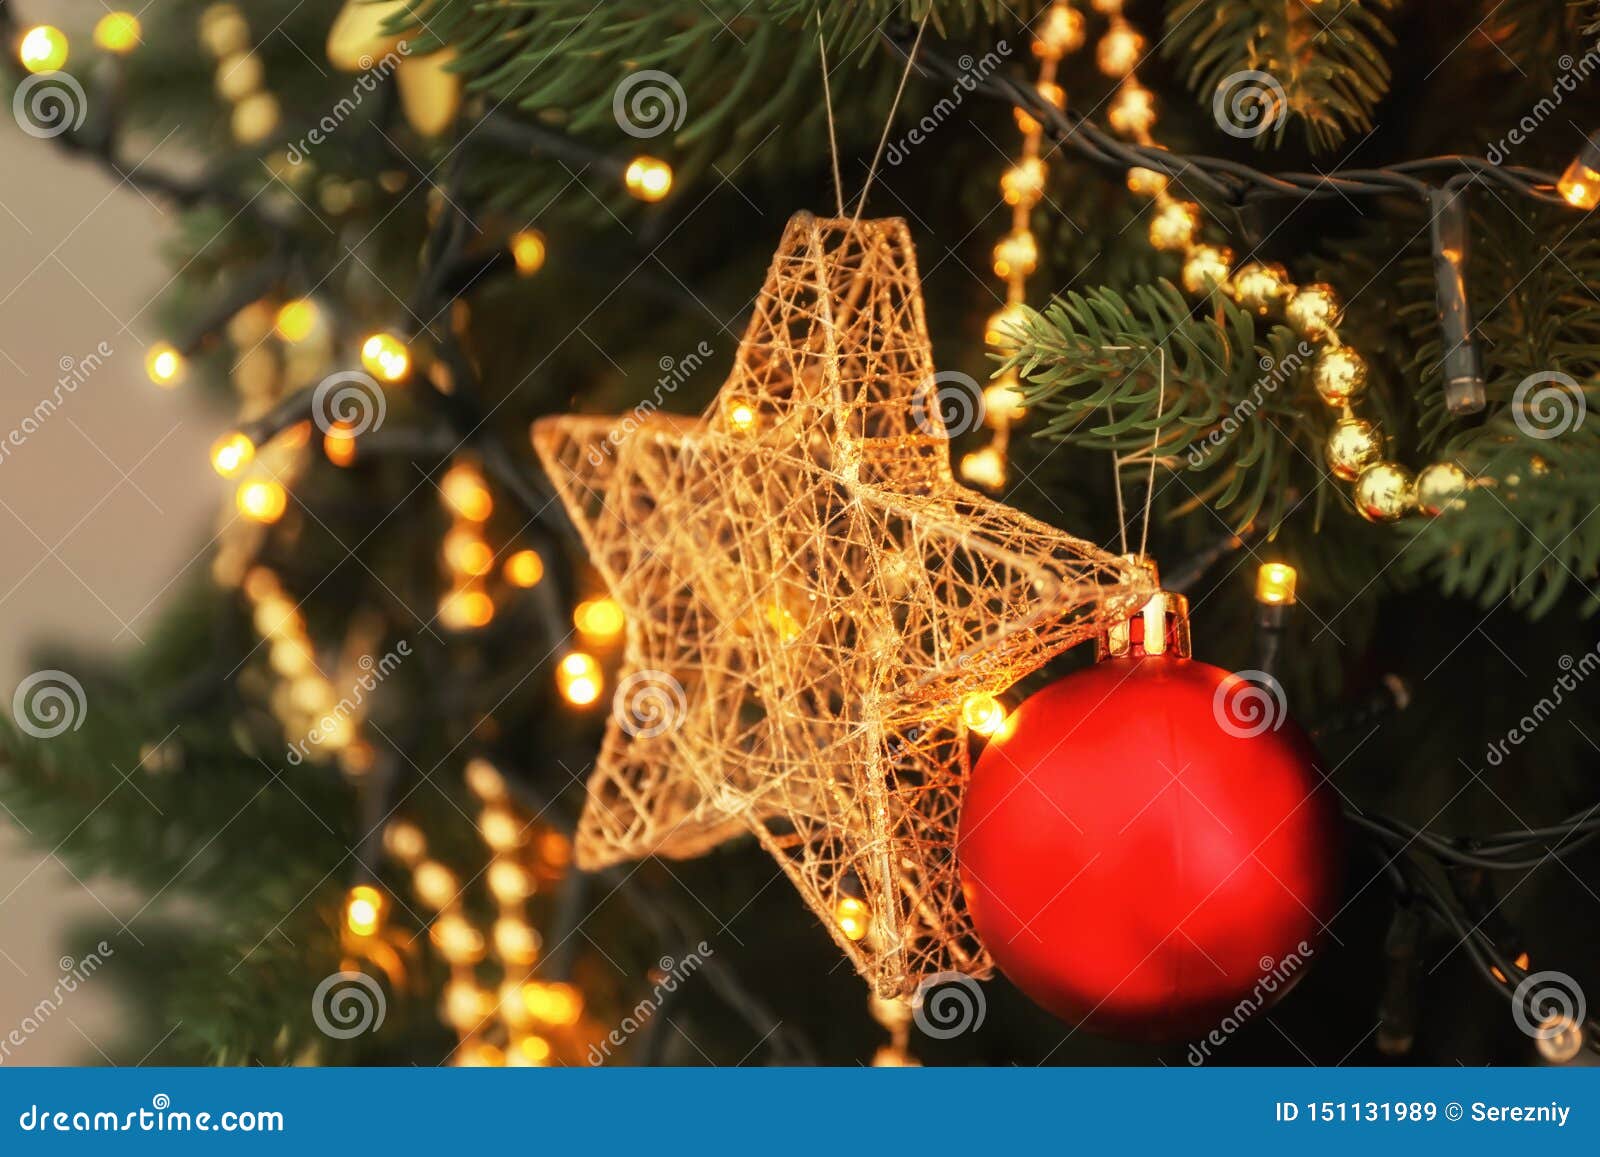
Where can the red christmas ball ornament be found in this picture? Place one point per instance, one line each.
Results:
(1148, 843)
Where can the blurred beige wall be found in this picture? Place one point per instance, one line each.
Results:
(100, 507)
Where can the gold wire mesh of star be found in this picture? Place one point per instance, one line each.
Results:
(811, 597)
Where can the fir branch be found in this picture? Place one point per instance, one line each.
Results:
(1327, 59)
(1094, 363)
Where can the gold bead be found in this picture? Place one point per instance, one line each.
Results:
(1439, 487)
(1384, 491)
(1173, 226)
(1352, 447)
(1060, 32)
(1260, 287)
(1146, 182)
(1313, 310)
(1206, 268)
(1023, 183)
(1017, 253)
(238, 76)
(255, 118)
(1340, 375)
(1134, 110)
(1119, 49)
(223, 30)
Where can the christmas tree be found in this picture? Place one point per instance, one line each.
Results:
(609, 620)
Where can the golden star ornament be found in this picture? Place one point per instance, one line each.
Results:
(815, 605)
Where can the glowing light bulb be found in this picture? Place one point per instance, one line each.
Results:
(231, 453)
(648, 178)
(530, 1050)
(579, 679)
(1579, 185)
(339, 444)
(364, 909)
(524, 568)
(297, 320)
(527, 250)
(1174, 225)
(1060, 31)
(117, 32)
(465, 493)
(1119, 49)
(599, 619)
(985, 467)
(741, 416)
(262, 500)
(853, 917)
(1275, 584)
(43, 48)
(983, 713)
(465, 1007)
(385, 357)
(164, 365)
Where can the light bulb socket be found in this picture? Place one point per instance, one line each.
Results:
(1460, 364)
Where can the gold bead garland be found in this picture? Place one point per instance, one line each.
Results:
(1058, 31)
(1383, 490)
(521, 1020)
(225, 34)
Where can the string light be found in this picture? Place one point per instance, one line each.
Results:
(579, 679)
(528, 251)
(364, 910)
(117, 32)
(1579, 184)
(1275, 583)
(262, 500)
(339, 444)
(43, 48)
(985, 467)
(164, 365)
(648, 178)
(983, 713)
(853, 917)
(434, 884)
(385, 357)
(231, 453)
(741, 416)
(600, 620)
(524, 568)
